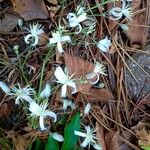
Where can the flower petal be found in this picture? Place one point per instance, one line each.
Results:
(78, 133)
(41, 120)
(73, 85)
(87, 109)
(59, 47)
(60, 75)
(57, 137)
(4, 87)
(36, 39)
(27, 98)
(64, 90)
(66, 39)
(51, 114)
(97, 147)
(27, 37)
(85, 143)
(46, 91)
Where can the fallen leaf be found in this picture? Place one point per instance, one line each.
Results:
(93, 94)
(19, 141)
(54, 2)
(111, 139)
(31, 9)
(100, 135)
(8, 23)
(136, 33)
(77, 66)
(5, 109)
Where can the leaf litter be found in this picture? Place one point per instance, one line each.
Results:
(115, 111)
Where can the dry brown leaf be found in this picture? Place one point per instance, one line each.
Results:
(100, 135)
(94, 94)
(8, 23)
(99, 95)
(54, 2)
(43, 39)
(136, 33)
(77, 66)
(31, 9)
(19, 141)
(111, 139)
(5, 109)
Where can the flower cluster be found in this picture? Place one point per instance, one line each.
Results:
(117, 13)
(26, 94)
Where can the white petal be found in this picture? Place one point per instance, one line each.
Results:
(82, 17)
(91, 75)
(27, 38)
(4, 87)
(52, 40)
(73, 85)
(35, 108)
(42, 123)
(87, 109)
(51, 114)
(27, 98)
(36, 39)
(59, 47)
(64, 90)
(60, 75)
(80, 133)
(65, 104)
(85, 143)
(97, 147)
(66, 39)
(17, 101)
(57, 137)
(80, 29)
(46, 91)
(97, 79)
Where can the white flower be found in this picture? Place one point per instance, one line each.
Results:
(65, 80)
(98, 69)
(35, 30)
(58, 38)
(67, 103)
(46, 91)
(41, 112)
(117, 12)
(104, 44)
(90, 138)
(57, 137)
(22, 93)
(87, 108)
(124, 27)
(75, 20)
(4, 87)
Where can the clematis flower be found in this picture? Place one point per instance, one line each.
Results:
(90, 138)
(67, 103)
(41, 112)
(58, 38)
(65, 80)
(19, 93)
(117, 12)
(4, 87)
(87, 109)
(57, 136)
(46, 91)
(35, 30)
(75, 20)
(98, 69)
(104, 44)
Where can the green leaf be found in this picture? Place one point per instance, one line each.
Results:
(52, 144)
(36, 145)
(145, 147)
(70, 139)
